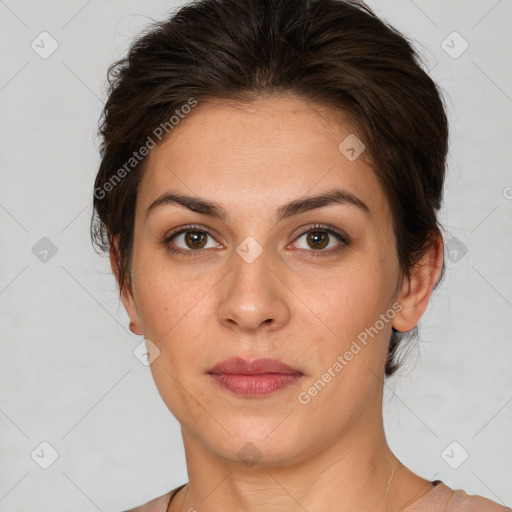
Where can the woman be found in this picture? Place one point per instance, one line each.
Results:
(268, 192)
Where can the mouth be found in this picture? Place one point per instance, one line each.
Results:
(258, 378)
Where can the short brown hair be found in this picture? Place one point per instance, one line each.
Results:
(333, 52)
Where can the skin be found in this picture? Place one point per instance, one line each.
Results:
(301, 308)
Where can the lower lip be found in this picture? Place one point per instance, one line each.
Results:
(255, 385)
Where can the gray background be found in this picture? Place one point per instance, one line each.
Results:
(68, 374)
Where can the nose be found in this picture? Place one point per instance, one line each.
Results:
(253, 295)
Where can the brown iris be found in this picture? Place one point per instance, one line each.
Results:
(316, 240)
(195, 239)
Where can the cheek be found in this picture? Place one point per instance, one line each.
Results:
(348, 298)
(350, 304)
(175, 317)
(353, 350)
(168, 296)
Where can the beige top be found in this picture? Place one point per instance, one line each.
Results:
(440, 499)
(443, 499)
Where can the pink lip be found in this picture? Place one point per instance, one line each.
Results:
(237, 365)
(257, 378)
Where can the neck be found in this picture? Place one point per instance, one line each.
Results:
(358, 473)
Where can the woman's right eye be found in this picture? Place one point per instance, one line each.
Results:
(188, 240)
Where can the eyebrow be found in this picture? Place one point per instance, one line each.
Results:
(295, 207)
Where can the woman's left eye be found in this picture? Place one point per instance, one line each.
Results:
(321, 240)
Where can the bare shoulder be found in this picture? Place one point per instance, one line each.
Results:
(157, 505)
(462, 502)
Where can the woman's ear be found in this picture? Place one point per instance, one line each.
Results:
(126, 296)
(416, 289)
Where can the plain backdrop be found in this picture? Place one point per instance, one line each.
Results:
(68, 375)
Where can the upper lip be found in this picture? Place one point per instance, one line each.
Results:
(237, 365)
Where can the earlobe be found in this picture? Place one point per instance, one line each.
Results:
(133, 328)
(126, 296)
(416, 289)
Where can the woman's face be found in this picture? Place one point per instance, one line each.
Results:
(262, 282)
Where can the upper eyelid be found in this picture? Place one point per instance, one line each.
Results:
(184, 229)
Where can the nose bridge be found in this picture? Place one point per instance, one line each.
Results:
(251, 273)
(252, 294)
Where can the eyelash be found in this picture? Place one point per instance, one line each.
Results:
(315, 227)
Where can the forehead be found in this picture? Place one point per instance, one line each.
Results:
(262, 153)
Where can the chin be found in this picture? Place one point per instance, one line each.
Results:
(256, 441)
